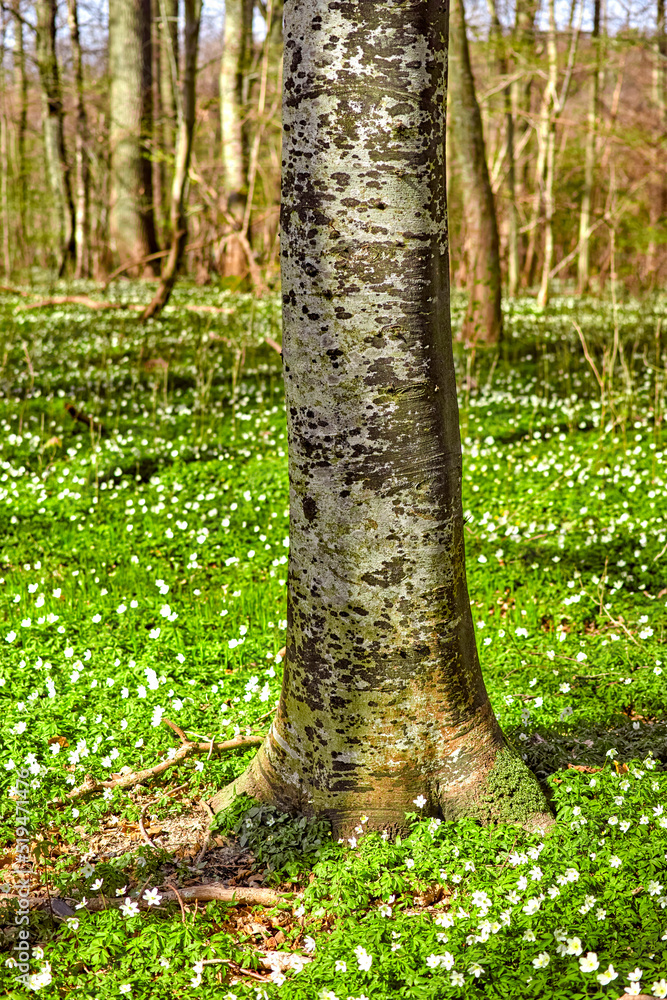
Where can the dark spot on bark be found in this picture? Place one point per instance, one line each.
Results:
(310, 270)
(360, 611)
(389, 574)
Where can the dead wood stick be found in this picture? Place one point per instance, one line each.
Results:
(237, 896)
(136, 777)
(274, 344)
(80, 300)
(82, 418)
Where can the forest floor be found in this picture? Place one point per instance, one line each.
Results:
(143, 501)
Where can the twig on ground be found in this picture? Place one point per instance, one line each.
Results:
(274, 344)
(236, 896)
(180, 901)
(83, 418)
(207, 839)
(143, 828)
(136, 777)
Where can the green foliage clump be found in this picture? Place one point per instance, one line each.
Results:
(283, 842)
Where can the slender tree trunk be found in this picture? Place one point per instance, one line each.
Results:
(130, 64)
(483, 318)
(583, 262)
(53, 118)
(81, 232)
(549, 137)
(233, 68)
(4, 156)
(512, 221)
(383, 697)
(179, 187)
(21, 88)
(556, 104)
(658, 191)
(167, 65)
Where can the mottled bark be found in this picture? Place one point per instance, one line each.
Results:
(383, 697)
(483, 318)
(81, 234)
(233, 70)
(131, 217)
(179, 188)
(53, 118)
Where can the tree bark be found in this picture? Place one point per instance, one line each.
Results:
(21, 86)
(167, 79)
(383, 697)
(81, 230)
(179, 187)
(512, 219)
(233, 69)
(53, 119)
(483, 318)
(658, 191)
(131, 217)
(555, 105)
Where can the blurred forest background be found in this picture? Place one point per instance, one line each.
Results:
(143, 139)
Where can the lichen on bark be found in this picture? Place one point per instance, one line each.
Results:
(382, 697)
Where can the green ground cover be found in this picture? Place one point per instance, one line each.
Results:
(142, 577)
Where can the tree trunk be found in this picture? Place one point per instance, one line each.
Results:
(4, 168)
(483, 318)
(179, 187)
(167, 64)
(131, 218)
(233, 68)
(53, 117)
(512, 221)
(81, 231)
(21, 86)
(658, 191)
(556, 103)
(383, 697)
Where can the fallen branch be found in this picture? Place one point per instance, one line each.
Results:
(81, 300)
(82, 418)
(137, 777)
(237, 896)
(274, 344)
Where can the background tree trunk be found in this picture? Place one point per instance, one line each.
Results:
(131, 217)
(658, 190)
(382, 697)
(21, 86)
(53, 117)
(233, 69)
(483, 318)
(168, 62)
(179, 187)
(81, 233)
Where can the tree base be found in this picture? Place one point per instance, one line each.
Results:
(502, 790)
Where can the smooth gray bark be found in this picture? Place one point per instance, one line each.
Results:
(383, 697)
(233, 73)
